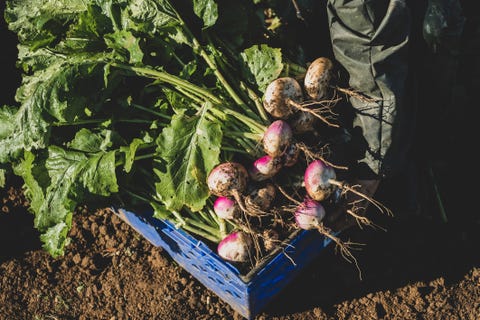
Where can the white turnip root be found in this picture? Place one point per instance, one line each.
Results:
(280, 97)
(265, 168)
(277, 138)
(317, 78)
(227, 179)
(236, 247)
(226, 208)
(309, 214)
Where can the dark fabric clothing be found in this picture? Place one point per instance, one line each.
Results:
(370, 40)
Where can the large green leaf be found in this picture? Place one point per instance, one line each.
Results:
(150, 15)
(264, 64)
(207, 10)
(35, 178)
(126, 41)
(7, 114)
(71, 172)
(41, 22)
(59, 92)
(130, 151)
(56, 238)
(187, 151)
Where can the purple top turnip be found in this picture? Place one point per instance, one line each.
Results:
(309, 214)
(226, 208)
(277, 138)
(236, 247)
(319, 180)
(265, 167)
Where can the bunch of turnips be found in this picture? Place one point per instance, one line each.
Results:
(252, 193)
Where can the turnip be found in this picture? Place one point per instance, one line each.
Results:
(227, 179)
(320, 182)
(226, 208)
(277, 138)
(265, 168)
(309, 215)
(280, 97)
(260, 200)
(236, 247)
(317, 78)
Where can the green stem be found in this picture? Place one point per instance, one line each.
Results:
(248, 135)
(164, 76)
(145, 156)
(96, 121)
(248, 121)
(235, 150)
(256, 99)
(212, 64)
(219, 75)
(203, 226)
(201, 233)
(295, 68)
(155, 113)
(121, 161)
(171, 79)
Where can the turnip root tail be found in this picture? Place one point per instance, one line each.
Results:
(317, 112)
(347, 188)
(344, 247)
(310, 155)
(354, 94)
(239, 199)
(363, 221)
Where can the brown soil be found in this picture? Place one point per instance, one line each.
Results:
(421, 268)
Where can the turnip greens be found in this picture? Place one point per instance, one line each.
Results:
(133, 100)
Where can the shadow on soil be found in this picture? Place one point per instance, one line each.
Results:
(417, 247)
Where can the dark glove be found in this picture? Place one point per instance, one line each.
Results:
(443, 24)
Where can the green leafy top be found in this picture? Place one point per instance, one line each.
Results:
(122, 94)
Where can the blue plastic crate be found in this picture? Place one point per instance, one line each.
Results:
(247, 294)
